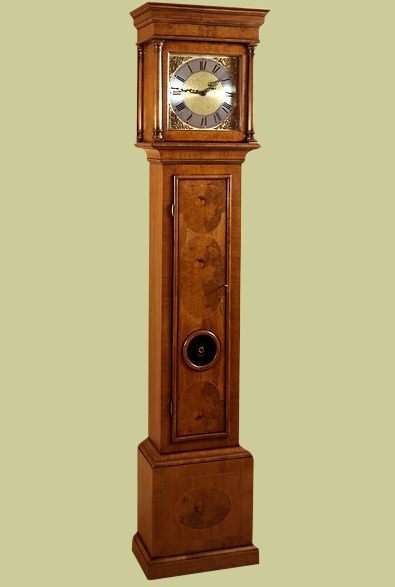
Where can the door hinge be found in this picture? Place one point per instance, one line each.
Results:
(172, 210)
(171, 408)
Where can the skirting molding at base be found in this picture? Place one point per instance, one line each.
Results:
(198, 562)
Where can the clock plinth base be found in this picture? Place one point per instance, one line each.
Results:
(194, 510)
(211, 560)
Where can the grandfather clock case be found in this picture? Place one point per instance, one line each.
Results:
(195, 123)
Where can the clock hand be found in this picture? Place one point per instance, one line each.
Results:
(201, 92)
(188, 90)
(211, 86)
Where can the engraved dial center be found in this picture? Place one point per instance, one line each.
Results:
(203, 104)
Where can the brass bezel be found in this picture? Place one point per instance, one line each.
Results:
(185, 350)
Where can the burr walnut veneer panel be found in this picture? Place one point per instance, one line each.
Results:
(199, 502)
(201, 220)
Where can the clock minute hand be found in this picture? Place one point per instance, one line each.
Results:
(189, 90)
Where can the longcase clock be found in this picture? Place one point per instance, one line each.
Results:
(195, 123)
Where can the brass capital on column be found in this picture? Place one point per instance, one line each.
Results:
(158, 45)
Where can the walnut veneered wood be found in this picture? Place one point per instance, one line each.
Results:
(195, 123)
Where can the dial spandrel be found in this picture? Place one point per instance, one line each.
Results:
(202, 92)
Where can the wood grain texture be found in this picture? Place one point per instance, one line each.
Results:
(200, 409)
(161, 335)
(201, 221)
(203, 507)
(154, 95)
(157, 459)
(169, 470)
(195, 483)
(194, 505)
(145, 495)
(188, 564)
(180, 21)
(148, 92)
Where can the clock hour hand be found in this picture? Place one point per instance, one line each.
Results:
(211, 86)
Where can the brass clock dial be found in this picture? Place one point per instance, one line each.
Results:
(202, 93)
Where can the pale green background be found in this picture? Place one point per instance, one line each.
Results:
(317, 359)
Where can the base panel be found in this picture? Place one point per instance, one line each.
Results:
(194, 510)
(198, 562)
